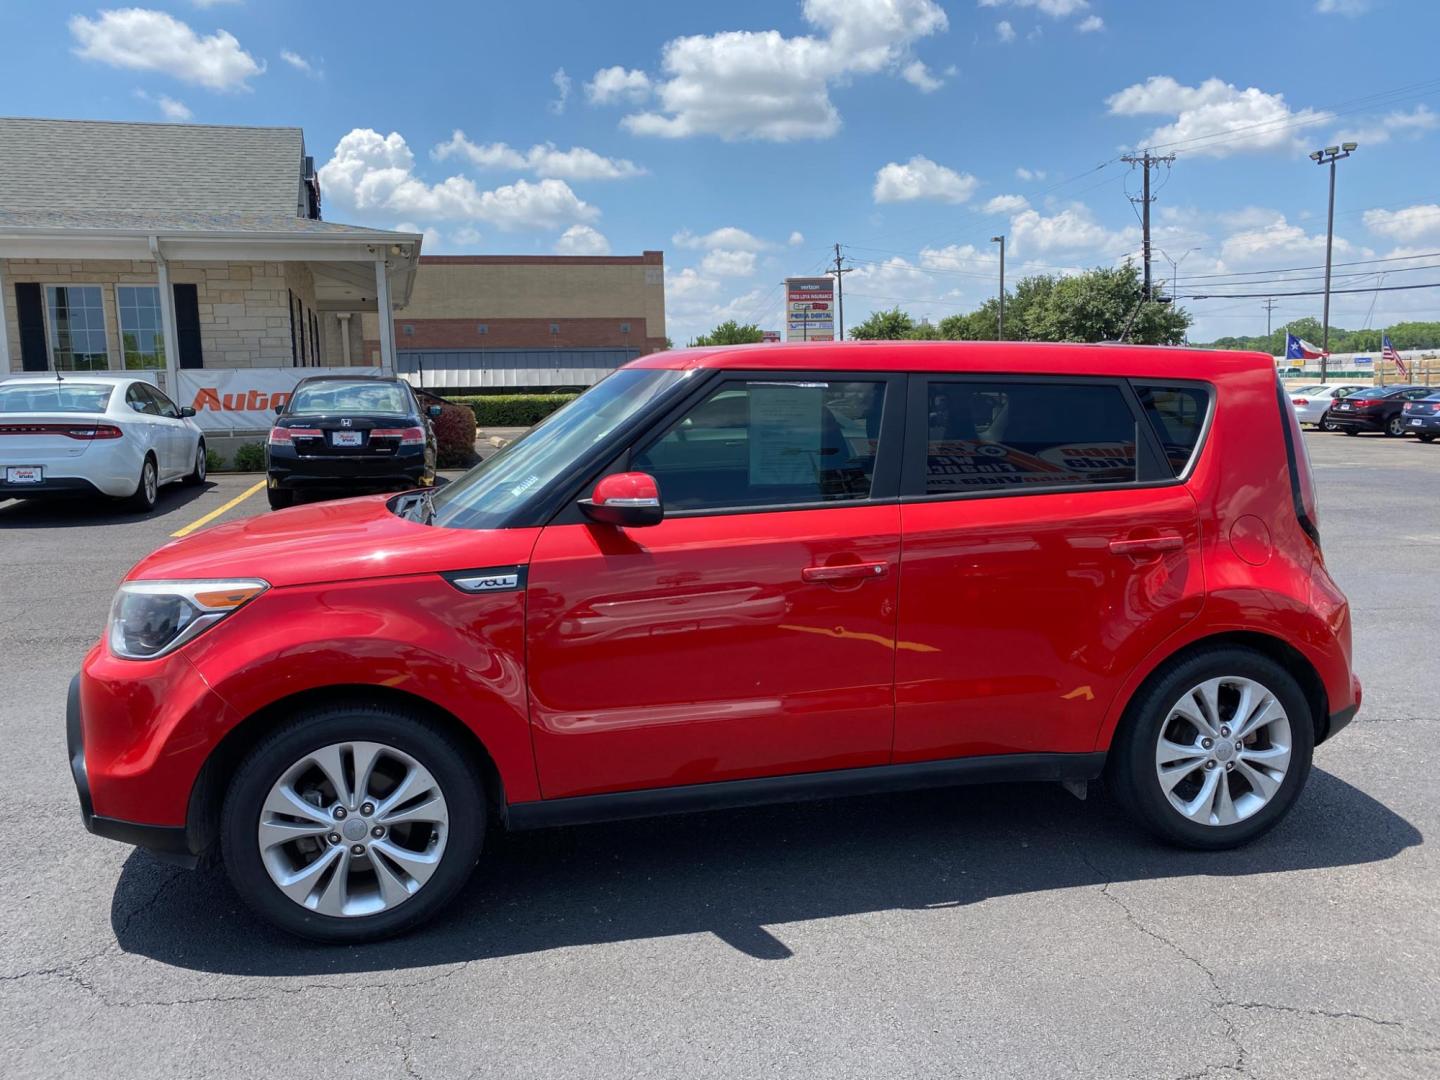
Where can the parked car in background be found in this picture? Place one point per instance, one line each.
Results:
(350, 433)
(97, 435)
(1375, 408)
(732, 576)
(1312, 402)
(1422, 417)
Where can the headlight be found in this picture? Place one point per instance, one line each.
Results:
(151, 618)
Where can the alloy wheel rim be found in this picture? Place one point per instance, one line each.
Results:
(1397, 426)
(353, 829)
(148, 479)
(1224, 751)
(200, 461)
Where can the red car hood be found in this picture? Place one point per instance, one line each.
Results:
(335, 541)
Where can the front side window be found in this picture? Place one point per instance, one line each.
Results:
(762, 443)
(142, 334)
(77, 328)
(333, 397)
(1006, 436)
(140, 401)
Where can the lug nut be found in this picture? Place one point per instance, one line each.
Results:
(357, 849)
(367, 809)
(1240, 746)
(1210, 764)
(1225, 732)
(1229, 765)
(1207, 743)
(339, 813)
(378, 831)
(334, 838)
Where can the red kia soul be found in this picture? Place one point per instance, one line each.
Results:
(734, 576)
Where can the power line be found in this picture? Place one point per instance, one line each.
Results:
(1307, 292)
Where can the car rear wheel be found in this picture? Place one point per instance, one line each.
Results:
(1427, 438)
(147, 488)
(197, 474)
(279, 498)
(1395, 426)
(1350, 431)
(353, 823)
(1326, 424)
(1215, 750)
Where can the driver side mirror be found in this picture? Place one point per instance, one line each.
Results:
(629, 500)
(186, 412)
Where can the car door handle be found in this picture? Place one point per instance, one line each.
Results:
(830, 575)
(1147, 545)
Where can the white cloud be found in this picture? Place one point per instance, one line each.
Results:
(372, 172)
(1413, 223)
(796, 238)
(1342, 7)
(168, 106)
(1007, 204)
(144, 40)
(762, 85)
(1414, 124)
(430, 236)
(577, 163)
(1222, 118)
(919, 76)
(1090, 24)
(921, 178)
(1023, 173)
(1278, 243)
(466, 236)
(1004, 31)
(562, 88)
(615, 84)
(729, 238)
(1058, 9)
(582, 240)
(723, 263)
(1073, 228)
(299, 63)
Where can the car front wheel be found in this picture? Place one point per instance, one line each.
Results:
(1215, 750)
(353, 823)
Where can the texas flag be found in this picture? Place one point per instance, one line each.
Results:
(1300, 349)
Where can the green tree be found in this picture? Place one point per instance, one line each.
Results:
(1406, 335)
(925, 331)
(730, 332)
(889, 325)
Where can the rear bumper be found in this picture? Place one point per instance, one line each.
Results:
(52, 487)
(1357, 423)
(167, 841)
(382, 470)
(1430, 425)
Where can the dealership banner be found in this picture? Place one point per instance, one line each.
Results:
(244, 399)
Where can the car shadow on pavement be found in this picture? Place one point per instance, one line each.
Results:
(734, 873)
(81, 512)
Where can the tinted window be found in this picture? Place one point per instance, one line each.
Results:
(336, 397)
(1373, 392)
(998, 435)
(140, 401)
(760, 443)
(163, 403)
(54, 397)
(1177, 415)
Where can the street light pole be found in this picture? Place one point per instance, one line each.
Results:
(1000, 335)
(1329, 156)
(1175, 267)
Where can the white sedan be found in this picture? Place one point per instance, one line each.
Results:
(1312, 402)
(83, 433)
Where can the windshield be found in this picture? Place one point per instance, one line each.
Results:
(55, 397)
(501, 486)
(330, 398)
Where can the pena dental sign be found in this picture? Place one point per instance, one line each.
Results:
(244, 399)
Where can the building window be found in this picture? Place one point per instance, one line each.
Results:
(624, 327)
(77, 328)
(554, 329)
(142, 330)
(481, 329)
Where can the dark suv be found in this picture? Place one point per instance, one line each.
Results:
(1375, 409)
(352, 433)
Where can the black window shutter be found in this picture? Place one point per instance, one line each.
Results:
(187, 325)
(31, 310)
(294, 349)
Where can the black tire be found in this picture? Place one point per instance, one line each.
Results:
(1426, 438)
(196, 476)
(448, 762)
(1131, 768)
(1350, 431)
(147, 488)
(1395, 427)
(279, 498)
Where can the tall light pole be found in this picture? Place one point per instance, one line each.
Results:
(1329, 156)
(1000, 335)
(1175, 266)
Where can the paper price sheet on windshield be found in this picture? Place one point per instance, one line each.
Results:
(784, 431)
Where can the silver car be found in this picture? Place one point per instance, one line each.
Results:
(91, 434)
(1312, 402)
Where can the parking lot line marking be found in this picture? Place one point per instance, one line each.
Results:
(213, 514)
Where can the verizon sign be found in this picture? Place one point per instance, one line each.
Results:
(810, 309)
(244, 399)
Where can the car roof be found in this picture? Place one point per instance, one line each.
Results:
(351, 378)
(1147, 361)
(75, 377)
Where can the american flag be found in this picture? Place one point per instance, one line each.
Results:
(1389, 352)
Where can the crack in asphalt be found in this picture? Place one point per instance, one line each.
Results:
(402, 1041)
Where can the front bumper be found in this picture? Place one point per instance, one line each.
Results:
(169, 842)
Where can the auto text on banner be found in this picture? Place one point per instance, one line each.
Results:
(244, 399)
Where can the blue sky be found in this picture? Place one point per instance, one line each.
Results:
(745, 139)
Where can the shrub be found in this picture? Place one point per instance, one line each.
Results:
(250, 457)
(454, 437)
(513, 410)
(213, 461)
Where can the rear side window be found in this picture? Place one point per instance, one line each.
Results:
(1177, 415)
(995, 436)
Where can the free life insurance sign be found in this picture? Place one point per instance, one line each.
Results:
(810, 309)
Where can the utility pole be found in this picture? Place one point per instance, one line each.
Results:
(1329, 156)
(1000, 336)
(1147, 161)
(840, 271)
(1269, 308)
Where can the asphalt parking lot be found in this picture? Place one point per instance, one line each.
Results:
(986, 932)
